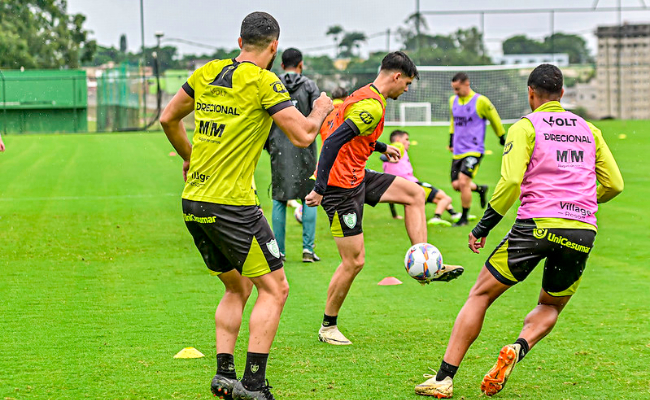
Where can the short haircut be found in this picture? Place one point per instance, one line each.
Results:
(259, 29)
(460, 77)
(291, 58)
(399, 61)
(546, 78)
(397, 133)
(339, 93)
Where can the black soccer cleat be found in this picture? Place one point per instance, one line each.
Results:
(461, 222)
(482, 192)
(222, 387)
(448, 273)
(263, 393)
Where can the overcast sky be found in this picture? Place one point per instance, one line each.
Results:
(303, 23)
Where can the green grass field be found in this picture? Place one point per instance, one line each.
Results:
(101, 285)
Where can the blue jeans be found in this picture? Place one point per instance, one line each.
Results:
(279, 219)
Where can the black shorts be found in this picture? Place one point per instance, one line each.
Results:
(344, 207)
(430, 191)
(232, 237)
(466, 165)
(566, 252)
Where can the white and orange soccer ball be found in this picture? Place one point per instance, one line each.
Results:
(423, 262)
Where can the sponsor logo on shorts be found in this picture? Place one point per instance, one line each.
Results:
(273, 249)
(366, 117)
(562, 241)
(350, 220)
(200, 220)
(470, 162)
(540, 233)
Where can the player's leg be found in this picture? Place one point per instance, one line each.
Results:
(465, 331)
(562, 274)
(352, 253)
(279, 218)
(411, 195)
(308, 233)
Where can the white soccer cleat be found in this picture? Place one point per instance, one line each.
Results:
(293, 204)
(443, 389)
(332, 335)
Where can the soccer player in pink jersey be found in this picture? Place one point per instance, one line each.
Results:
(551, 161)
(403, 168)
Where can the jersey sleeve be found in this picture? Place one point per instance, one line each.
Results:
(486, 110)
(451, 114)
(190, 85)
(272, 93)
(365, 115)
(516, 157)
(607, 172)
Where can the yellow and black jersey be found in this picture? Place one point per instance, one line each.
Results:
(233, 105)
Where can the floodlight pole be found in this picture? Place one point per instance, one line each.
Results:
(143, 61)
(618, 59)
(4, 102)
(417, 28)
(482, 25)
(552, 13)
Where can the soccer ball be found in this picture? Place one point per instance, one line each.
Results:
(423, 262)
(298, 214)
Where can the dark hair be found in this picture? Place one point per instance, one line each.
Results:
(339, 93)
(546, 78)
(460, 77)
(399, 61)
(291, 58)
(397, 133)
(259, 29)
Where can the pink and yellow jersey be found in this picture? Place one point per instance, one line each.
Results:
(403, 167)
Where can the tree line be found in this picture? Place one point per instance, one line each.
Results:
(41, 34)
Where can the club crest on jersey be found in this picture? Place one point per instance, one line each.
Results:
(540, 233)
(366, 117)
(273, 248)
(350, 220)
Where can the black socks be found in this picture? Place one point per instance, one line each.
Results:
(328, 320)
(255, 373)
(525, 348)
(446, 370)
(451, 211)
(226, 365)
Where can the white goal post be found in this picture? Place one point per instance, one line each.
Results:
(402, 114)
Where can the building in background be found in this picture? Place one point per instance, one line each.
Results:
(623, 71)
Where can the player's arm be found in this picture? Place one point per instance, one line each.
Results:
(302, 130)
(607, 172)
(516, 156)
(451, 123)
(172, 121)
(486, 110)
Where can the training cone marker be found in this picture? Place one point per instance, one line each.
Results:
(389, 281)
(622, 136)
(172, 154)
(488, 152)
(189, 352)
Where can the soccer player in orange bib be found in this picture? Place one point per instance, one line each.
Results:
(343, 185)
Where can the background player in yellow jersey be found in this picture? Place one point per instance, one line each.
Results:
(235, 102)
(551, 161)
(469, 113)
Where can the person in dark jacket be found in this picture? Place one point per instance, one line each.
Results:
(292, 167)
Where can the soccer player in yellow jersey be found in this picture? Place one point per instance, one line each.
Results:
(235, 102)
(551, 161)
(469, 113)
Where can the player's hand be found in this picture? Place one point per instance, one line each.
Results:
(475, 244)
(451, 149)
(186, 166)
(313, 199)
(392, 153)
(324, 103)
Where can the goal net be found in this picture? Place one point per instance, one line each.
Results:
(427, 101)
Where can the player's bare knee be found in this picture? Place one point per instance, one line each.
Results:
(455, 185)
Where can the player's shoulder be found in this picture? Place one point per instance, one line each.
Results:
(369, 105)
(524, 125)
